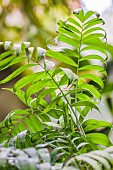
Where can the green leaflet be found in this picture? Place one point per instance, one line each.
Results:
(83, 97)
(28, 79)
(60, 57)
(92, 90)
(21, 96)
(15, 61)
(23, 82)
(68, 40)
(56, 71)
(94, 47)
(64, 80)
(35, 122)
(91, 37)
(88, 15)
(51, 105)
(44, 93)
(94, 67)
(93, 57)
(6, 61)
(16, 73)
(92, 23)
(74, 29)
(69, 33)
(97, 122)
(93, 77)
(36, 87)
(72, 21)
(70, 53)
(86, 103)
(84, 112)
(68, 27)
(5, 54)
(93, 124)
(79, 14)
(92, 30)
(101, 139)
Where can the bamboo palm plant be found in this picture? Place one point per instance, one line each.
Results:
(58, 100)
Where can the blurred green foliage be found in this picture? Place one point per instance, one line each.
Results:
(32, 20)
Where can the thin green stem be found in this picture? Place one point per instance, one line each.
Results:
(74, 116)
(78, 75)
(73, 113)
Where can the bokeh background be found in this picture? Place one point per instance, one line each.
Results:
(36, 21)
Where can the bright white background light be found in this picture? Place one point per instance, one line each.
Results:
(97, 5)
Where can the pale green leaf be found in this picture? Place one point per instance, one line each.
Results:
(103, 161)
(92, 162)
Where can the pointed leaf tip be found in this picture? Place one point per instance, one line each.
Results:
(77, 11)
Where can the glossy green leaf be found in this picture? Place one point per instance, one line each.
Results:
(92, 90)
(76, 23)
(74, 29)
(92, 37)
(101, 139)
(96, 48)
(92, 23)
(94, 67)
(5, 54)
(94, 78)
(6, 61)
(51, 105)
(68, 33)
(16, 73)
(93, 30)
(60, 57)
(92, 124)
(83, 97)
(15, 61)
(86, 103)
(93, 57)
(36, 87)
(23, 82)
(67, 40)
(88, 15)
